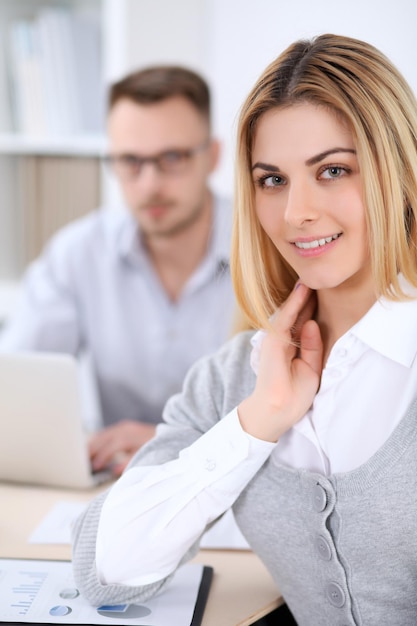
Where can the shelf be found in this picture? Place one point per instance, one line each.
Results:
(13, 144)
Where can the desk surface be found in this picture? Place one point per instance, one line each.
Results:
(242, 589)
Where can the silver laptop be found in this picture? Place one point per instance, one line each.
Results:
(42, 439)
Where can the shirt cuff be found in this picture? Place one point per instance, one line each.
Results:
(222, 448)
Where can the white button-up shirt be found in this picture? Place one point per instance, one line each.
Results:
(94, 289)
(368, 382)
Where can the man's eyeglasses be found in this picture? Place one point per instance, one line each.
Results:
(175, 161)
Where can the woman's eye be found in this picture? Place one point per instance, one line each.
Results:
(334, 171)
(271, 181)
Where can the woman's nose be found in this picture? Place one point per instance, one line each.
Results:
(301, 204)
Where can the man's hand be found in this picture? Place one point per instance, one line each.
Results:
(115, 445)
(290, 365)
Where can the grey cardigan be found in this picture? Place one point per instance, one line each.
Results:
(342, 549)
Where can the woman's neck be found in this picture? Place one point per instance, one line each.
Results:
(339, 309)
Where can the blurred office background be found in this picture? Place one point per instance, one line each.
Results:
(57, 58)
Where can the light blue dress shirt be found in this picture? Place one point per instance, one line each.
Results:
(94, 290)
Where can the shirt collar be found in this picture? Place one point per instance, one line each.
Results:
(129, 245)
(398, 321)
(123, 235)
(120, 229)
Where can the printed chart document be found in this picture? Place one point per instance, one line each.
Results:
(36, 591)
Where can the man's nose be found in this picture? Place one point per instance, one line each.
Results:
(149, 178)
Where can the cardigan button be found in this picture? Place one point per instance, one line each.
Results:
(323, 548)
(335, 595)
(319, 498)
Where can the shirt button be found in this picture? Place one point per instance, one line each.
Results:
(319, 498)
(323, 548)
(335, 595)
(210, 465)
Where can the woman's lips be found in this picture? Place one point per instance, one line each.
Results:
(316, 243)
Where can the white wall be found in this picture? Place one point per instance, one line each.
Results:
(146, 32)
(232, 41)
(168, 31)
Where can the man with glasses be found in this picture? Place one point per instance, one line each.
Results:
(144, 289)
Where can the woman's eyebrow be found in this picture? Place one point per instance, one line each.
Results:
(265, 166)
(312, 161)
(322, 155)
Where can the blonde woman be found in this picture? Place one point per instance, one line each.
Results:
(308, 427)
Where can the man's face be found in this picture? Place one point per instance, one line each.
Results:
(169, 194)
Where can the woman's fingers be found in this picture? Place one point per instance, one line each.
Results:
(299, 303)
(306, 314)
(298, 311)
(283, 342)
(311, 346)
(289, 370)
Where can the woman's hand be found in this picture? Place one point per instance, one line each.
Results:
(289, 371)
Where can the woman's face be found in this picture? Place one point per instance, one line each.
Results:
(308, 194)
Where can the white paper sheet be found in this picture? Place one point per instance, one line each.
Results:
(56, 528)
(56, 525)
(42, 592)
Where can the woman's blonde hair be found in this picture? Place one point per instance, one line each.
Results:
(358, 83)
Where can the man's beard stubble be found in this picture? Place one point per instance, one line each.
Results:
(183, 224)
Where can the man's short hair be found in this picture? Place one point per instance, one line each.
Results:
(158, 83)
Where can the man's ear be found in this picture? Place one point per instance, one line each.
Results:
(214, 154)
